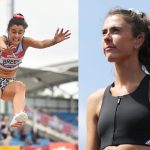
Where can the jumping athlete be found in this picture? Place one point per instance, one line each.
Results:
(12, 50)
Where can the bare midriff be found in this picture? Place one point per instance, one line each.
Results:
(7, 73)
(127, 147)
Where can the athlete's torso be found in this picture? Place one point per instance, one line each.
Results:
(126, 119)
(10, 62)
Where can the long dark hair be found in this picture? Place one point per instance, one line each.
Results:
(140, 23)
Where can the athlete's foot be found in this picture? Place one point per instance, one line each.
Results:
(19, 120)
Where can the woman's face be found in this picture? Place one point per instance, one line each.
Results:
(15, 33)
(118, 41)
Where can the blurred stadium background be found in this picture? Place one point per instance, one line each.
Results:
(52, 110)
(52, 106)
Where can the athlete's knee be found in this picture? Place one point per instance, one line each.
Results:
(20, 86)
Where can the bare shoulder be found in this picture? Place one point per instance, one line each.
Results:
(2, 38)
(95, 100)
(3, 41)
(97, 96)
(27, 42)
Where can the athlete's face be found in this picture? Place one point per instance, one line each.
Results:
(15, 33)
(118, 41)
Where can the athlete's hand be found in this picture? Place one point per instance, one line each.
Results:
(61, 35)
(8, 49)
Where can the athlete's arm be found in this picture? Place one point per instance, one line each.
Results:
(2, 42)
(4, 47)
(93, 109)
(59, 36)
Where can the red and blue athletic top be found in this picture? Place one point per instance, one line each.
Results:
(12, 61)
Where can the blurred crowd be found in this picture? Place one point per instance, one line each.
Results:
(30, 137)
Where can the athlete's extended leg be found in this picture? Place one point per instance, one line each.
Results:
(15, 91)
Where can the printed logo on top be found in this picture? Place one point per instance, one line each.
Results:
(11, 61)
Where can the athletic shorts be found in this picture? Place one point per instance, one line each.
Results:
(5, 81)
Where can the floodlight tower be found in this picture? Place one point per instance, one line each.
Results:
(10, 10)
(11, 4)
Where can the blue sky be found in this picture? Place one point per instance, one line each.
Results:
(94, 71)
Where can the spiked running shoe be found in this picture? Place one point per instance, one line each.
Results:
(19, 120)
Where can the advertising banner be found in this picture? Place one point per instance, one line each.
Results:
(10, 148)
(62, 146)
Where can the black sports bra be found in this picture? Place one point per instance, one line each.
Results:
(125, 119)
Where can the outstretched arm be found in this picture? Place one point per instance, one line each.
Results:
(59, 36)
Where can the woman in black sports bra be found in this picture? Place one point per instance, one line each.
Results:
(118, 117)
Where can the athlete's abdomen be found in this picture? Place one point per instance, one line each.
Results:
(7, 73)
